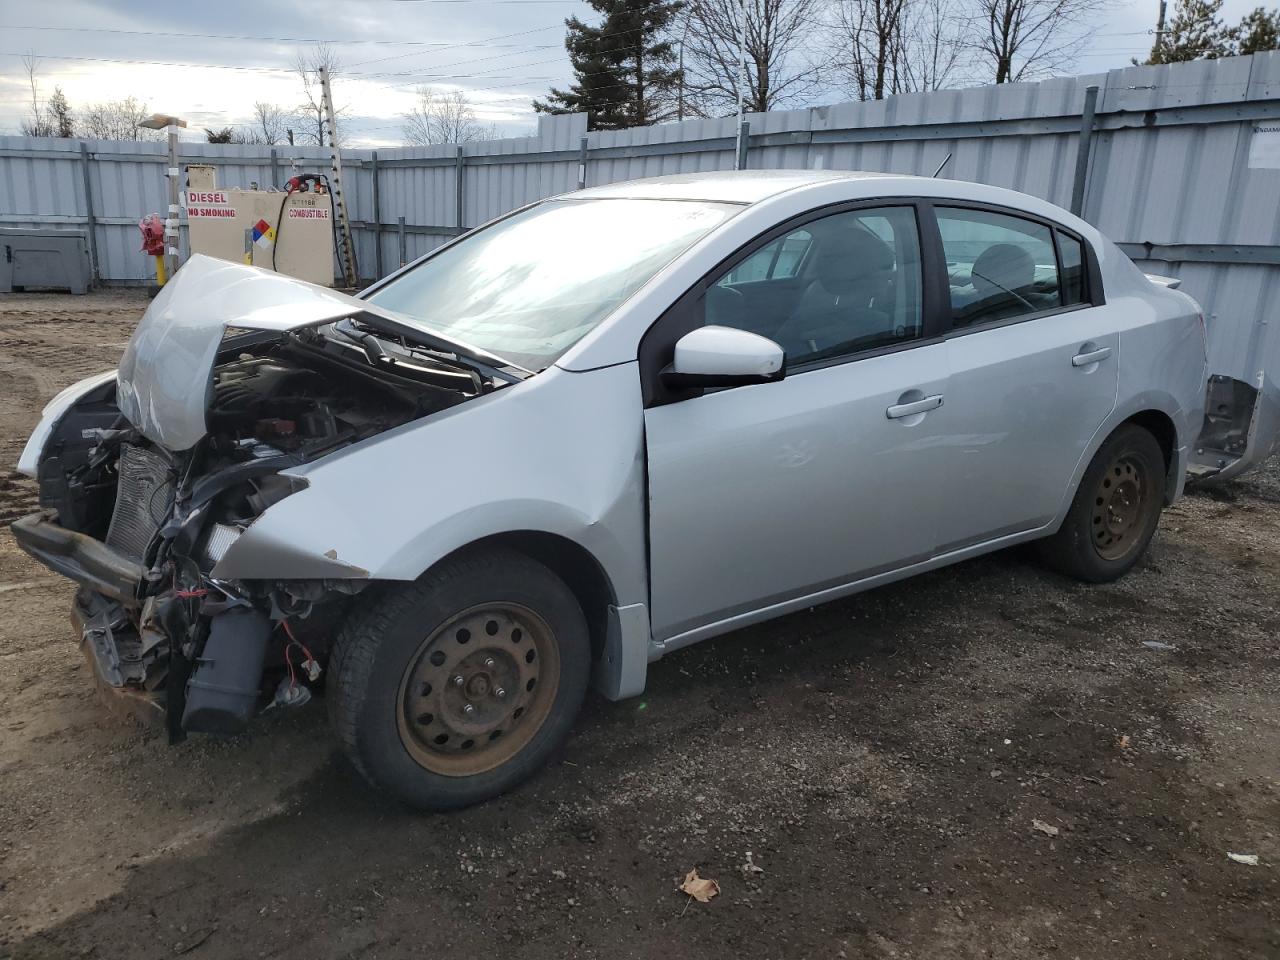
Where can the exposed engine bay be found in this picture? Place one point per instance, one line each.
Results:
(142, 527)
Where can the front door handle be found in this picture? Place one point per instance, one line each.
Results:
(900, 410)
(1092, 356)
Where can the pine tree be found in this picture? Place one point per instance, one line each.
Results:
(624, 68)
(61, 120)
(1196, 33)
(1259, 31)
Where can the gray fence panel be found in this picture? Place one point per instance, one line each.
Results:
(1168, 176)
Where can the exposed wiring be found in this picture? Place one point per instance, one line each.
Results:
(310, 664)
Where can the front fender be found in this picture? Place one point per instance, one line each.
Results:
(561, 453)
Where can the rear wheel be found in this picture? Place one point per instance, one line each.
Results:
(1115, 511)
(455, 688)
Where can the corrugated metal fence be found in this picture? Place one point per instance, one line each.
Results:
(1180, 164)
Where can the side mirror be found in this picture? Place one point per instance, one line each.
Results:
(724, 357)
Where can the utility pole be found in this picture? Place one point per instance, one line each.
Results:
(173, 173)
(742, 76)
(171, 238)
(1160, 29)
(348, 258)
(680, 69)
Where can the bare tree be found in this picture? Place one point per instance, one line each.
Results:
(38, 124)
(444, 117)
(779, 71)
(310, 114)
(937, 38)
(870, 46)
(1021, 39)
(118, 120)
(270, 123)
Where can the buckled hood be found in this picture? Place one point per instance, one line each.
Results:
(165, 382)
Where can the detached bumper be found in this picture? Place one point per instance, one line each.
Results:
(75, 555)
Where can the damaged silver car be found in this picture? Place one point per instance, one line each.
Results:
(600, 428)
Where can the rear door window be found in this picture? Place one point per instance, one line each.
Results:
(999, 267)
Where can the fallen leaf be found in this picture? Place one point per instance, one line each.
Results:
(1045, 828)
(1123, 742)
(700, 888)
(1248, 859)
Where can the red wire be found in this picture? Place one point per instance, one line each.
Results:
(292, 639)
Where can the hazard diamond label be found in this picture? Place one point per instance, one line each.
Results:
(263, 234)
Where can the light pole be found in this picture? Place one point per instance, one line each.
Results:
(684, 35)
(161, 121)
(742, 75)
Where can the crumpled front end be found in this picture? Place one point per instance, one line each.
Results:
(148, 477)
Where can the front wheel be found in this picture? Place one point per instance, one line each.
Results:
(455, 688)
(1115, 511)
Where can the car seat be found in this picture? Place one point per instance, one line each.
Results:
(848, 297)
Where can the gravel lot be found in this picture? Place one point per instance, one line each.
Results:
(882, 759)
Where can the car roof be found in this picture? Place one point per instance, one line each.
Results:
(749, 187)
(729, 186)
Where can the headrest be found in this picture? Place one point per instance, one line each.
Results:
(847, 256)
(1002, 268)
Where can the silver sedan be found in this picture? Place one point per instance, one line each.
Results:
(598, 429)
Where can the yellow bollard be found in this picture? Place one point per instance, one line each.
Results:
(162, 275)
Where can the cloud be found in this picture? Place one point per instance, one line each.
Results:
(117, 50)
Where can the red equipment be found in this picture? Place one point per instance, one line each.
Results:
(152, 227)
(301, 182)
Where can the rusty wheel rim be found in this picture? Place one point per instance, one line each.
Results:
(478, 689)
(1122, 503)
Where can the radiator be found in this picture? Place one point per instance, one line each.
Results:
(144, 497)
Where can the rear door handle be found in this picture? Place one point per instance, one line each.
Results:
(900, 410)
(1093, 356)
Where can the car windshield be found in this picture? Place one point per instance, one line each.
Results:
(530, 286)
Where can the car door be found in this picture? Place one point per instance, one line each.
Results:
(1034, 370)
(765, 493)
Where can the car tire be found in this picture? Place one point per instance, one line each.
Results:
(1115, 510)
(455, 688)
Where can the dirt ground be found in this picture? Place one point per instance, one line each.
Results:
(884, 760)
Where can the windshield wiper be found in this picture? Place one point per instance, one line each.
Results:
(375, 350)
(491, 362)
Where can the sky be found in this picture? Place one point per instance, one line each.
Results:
(209, 63)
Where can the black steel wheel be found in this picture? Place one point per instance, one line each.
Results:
(1124, 498)
(1115, 511)
(455, 688)
(478, 689)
